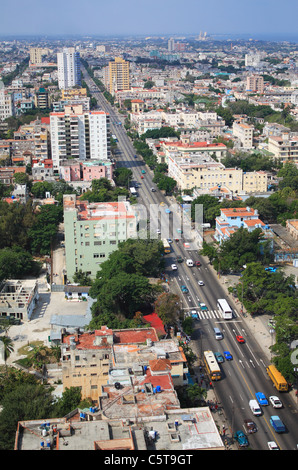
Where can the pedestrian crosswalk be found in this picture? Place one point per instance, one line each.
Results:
(212, 314)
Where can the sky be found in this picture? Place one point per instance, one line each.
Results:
(150, 17)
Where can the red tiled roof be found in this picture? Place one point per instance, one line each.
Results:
(155, 322)
(160, 365)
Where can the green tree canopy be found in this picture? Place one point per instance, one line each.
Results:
(44, 230)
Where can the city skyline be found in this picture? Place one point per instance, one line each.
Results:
(169, 17)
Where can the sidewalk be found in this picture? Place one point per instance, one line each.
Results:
(215, 408)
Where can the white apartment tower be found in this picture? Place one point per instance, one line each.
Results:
(171, 45)
(6, 103)
(77, 134)
(69, 70)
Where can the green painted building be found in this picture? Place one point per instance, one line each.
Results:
(93, 231)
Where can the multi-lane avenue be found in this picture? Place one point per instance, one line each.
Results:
(245, 374)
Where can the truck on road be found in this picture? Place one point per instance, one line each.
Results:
(224, 309)
(278, 380)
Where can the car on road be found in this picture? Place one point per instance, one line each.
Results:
(184, 289)
(142, 177)
(143, 171)
(272, 445)
(167, 211)
(262, 400)
(277, 424)
(275, 401)
(240, 339)
(186, 245)
(197, 263)
(158, 231)
(219, 357)
(228, 355)
(153, 190)
(179, 259)
(170, 240)
(162, 204)
(201, 283)
(203, 306)
(174, 267)
(250, 426)
(194, 314)
(135, 156)
(241, 438)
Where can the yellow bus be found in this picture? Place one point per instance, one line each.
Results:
(212, 366)
(278, 380)
(166, 246)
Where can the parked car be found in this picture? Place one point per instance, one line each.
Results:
(262, 400)
(201, 283)
(271, 269)
(179, 259)
(250, 426)
(219, 357)
(167, 211)
(241, 438)
(174, 267)
(228, 355)
(275, 401)
(198, 263)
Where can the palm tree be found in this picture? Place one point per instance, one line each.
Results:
(8, 347)
(196, 393)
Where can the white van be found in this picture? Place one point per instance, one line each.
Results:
(218, 333)
(255, 408)
(189, 262)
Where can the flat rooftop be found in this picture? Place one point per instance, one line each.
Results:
(195, 429)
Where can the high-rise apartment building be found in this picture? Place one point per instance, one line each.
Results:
(116, 75)
(6, 103)
(36, 54)
(255, 83)
(171, 45)
(69, 70)
(41, 98)
(93, 231)
(79, 134)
